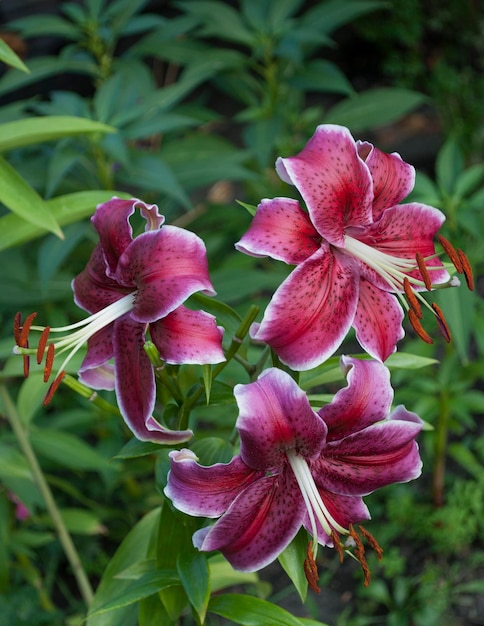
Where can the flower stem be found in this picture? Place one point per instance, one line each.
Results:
(441, 431)
(62, 532)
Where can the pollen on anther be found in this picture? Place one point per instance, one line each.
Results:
(442, 322)
(17, 326)
(412, 298)
(372, 541)
(418, 328)
(423, 271)
(466, 269)
(311, 569)
(451, 253)
(25, 329)
(41, 345)
(337, 545)
(53, 388)
(49, 361)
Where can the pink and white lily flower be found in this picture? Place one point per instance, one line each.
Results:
(298, 467)
(354, 248)
(132, 286)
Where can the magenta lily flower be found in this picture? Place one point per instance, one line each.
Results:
(298, 467)
(132, 287)
(354, 248)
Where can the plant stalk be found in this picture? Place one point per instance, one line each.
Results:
(62, 532)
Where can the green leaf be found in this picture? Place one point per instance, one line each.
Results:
(374, 108)
(250, 611)
(207, 380)
(322, 76)
(219, 20)
(78, 521)
(31, 396)
(406, 361)
(149, 584)
(292, 560)
(195, 577)
(24, 201)
(68, 450)
(211, 450)
(65, 209)
(458, 305)
(8, 56)
(223, 575)
(44, 67)
(40, 25)
(134, 548)
(469, 181)
(466, 459)
(448, 166)
(135, 448)
(34, 130)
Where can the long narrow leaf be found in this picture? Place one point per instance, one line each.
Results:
(17, 195)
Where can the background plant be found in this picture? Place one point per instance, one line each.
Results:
(165, 105)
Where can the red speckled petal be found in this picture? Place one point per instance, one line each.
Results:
(282, 230)
(312, 311)
(186, 336)
(378, 321)
(167, 266)
(259, 525)
(333, 180)
(93, 290)
(393, 179)
(367, 398)
(372, 458)
(402, 231)
(206, 491)
(275, 416)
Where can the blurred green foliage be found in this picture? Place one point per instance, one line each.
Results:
(187, 105)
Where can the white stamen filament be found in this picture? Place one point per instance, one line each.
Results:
(314, 504)
(88, 327)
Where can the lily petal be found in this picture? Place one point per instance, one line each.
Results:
(378, 321)
(367, 399)
(259, 524)
(282, 230)
(95, 370)
(274, 416)
(312, 311)
(167, 266)
(374, 457)
(93, 290)
(393, 179)
(206, 491)
(333, 180)
(186, 336)
(134, 377)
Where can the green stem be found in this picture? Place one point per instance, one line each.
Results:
(62, 532)
(441, 432)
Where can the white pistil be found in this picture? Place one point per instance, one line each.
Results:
(314, 504)
(88, 327)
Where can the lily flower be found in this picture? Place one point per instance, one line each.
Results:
(298, 467)
(132, 286)
(354, 248)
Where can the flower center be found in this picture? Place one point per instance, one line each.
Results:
(73, 338)
(318, 512)
(397, 273)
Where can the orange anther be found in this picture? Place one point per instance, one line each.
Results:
(26, 363)
(42, 343)
(372, 541)
(49, 361)
(423, 271)
(442, 322)
(451, 253)
(467, 269)
(412, 298)
(418, 328)
(17, 327)
(53, 388)
(311, 569)
(337, 545)
(25, 329)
